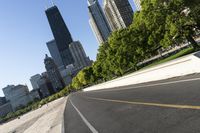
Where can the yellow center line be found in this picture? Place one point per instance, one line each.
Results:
(150, 104)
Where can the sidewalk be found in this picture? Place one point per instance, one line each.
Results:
(48, 118)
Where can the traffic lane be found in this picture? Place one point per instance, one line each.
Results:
(112, 117)
(186, 93)
(183, 93)
(72, 121)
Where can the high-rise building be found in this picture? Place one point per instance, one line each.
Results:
(55, 54)
(79, 55)
(119, 13)
(53, 74)
(61, 34)
(138, 4)
(2, 100)
(34, 81)
(98, 21)
(5, 109)
(18, 95)
(35, 95)
(46, 88)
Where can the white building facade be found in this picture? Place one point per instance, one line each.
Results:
(81, 60)
(119, 13)
(98, 21)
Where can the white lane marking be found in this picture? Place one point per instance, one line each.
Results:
(84, 119)
(143, 86)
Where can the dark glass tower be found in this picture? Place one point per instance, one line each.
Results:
(61, 34)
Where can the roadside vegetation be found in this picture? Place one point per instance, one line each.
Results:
(160, 25)
(175, 56)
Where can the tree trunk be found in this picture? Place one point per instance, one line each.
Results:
(193, 42)
(198, 25)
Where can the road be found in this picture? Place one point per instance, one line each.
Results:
(168, 106)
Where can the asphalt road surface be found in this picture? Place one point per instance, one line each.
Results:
(168, 106)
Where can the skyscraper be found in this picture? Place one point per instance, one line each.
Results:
(98, 21)
(79, 55)
(34, 81)
(119, 13)
(55, 54)
(61, 34)
(45, 87)
(53, 74)
(138, 4)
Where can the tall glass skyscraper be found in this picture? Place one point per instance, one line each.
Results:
(55, 54)
(61, 34)
(119, 13)
(98, 21)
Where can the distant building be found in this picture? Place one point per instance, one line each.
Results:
(61, 34)
(18, 96)
(53, 74)
(35, 94)
(46, 88)
(66, 75)
(34, 81)
(79, 55)
(2, 100)
(5, 109)
(8, 92)
(55, 54)
(98, 21)
(138, 4)
(119, 13)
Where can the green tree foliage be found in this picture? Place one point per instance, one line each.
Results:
(159, 25)
(84, 78)
(181, 22)
(76, 83)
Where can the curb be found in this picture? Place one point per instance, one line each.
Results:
(58, 126)
(63, 114)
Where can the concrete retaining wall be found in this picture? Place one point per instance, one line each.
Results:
(182, 66)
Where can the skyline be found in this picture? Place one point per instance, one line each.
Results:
(25, 31)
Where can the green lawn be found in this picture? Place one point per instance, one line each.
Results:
(177, 55)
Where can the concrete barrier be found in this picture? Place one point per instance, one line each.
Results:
(186, 65)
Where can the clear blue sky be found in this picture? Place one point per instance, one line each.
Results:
(24, 31)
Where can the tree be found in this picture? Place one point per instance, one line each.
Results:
(122, 52)
(76, 84)
(180, 25)
(86, 76)
(102, 66)
(159, 25)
